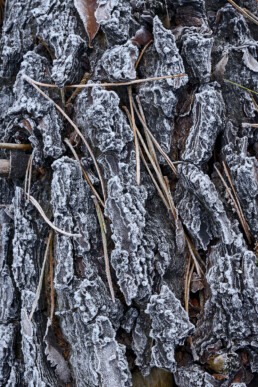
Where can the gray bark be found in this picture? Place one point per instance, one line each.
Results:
(145, 336)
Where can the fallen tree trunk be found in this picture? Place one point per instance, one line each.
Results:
(145, 170)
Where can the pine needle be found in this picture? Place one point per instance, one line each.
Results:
(197, 266)
(141, 54)
(77, 91)
(34, 84)
(251, 14)
(168, 200)
(248, 15)
(244, 222)
(146, 165)
(246, 124)
(254, 102)
(149, 142)
(52, 308)
(159, 176)
(26, 175)
(234, 204)
(154, 181)
(189, 280)
(170, 163)
(30, 173)
(138, 167)
(188, 277)
(84, 172)
(242, 87)
(42, 213)
(104, 241)
(116, 84)
(35, 303)
(7, 145)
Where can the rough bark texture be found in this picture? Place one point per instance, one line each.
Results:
(200, 121)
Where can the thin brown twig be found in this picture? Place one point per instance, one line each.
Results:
(197, 266)
(246, 228)
(77, 91)
(154, 158)
(187, 293)
(250, 17)
(164, 183)
(84, 172)
(42, 41)
(6, 145)
(170, 163)
(189, 284)
(246, 124)
(116, 84)
(104, 241)
(155, 182)
(195, 251)
(149, 142)
(136, 144)
(165, 187)
(30, 173)
(186, 285)
(35, 303)
(234, 204)
(166, 192)
(251, 14)
(146, 165)
(254, 102)
(42, 213)
(170, 199)
(52, 308)
(141, 54)
(34, 84)
(160, 177)
(26, 176)
(238, 85)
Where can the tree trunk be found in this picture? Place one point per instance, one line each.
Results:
(148, 277)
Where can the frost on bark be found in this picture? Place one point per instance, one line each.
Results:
(156, 329)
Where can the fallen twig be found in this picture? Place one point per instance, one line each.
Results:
(249, 15)
(136, 144)
(34, 84)
(170, 163)
(6, 145)
(146, 165)
(168, 200)
(84, 172)
(235, 206)
(42, 213)
(104, 241)
(244, 222)
(27, 183)
(246, 124)
(116, 84)
(77, 91)
(149, 142)
(52, 308)
(141, 54)
(35, 303)
(186, 285)
(242, 87)
(160, 177)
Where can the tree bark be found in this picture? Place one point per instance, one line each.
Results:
(157, 283)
